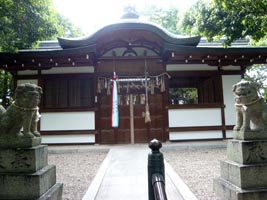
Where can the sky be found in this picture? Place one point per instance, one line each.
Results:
(91, 15)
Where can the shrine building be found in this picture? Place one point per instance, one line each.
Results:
(187, 86)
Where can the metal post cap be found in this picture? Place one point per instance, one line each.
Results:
(155, 145)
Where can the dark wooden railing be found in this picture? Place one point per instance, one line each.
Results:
(158, 184)
(156, 172)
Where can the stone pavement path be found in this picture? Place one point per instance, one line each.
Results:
(123, 175)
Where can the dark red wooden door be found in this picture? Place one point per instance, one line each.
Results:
(132, 127)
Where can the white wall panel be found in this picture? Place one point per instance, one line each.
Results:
(67, 121)
(67, 139)
(22, 81)
(229, 134)
(69, 70)
(194, 135)
(195, 117)
(228, 81)
(28, 72)
(231, 67)
(189, 67)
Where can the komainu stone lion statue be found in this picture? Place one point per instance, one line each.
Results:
(249, 107)
(20, 118)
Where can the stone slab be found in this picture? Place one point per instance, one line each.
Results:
(244, 176)
(227, 191)
(19, 142)
(27, 186)
(27, 160)
(247, 152)
(54, 193)
(250, 135)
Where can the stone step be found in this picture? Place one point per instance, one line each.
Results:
(27, 186)
(227, 191)
(244, 176)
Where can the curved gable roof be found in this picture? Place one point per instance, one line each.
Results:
(129, 25)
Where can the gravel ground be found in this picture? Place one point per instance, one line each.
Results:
(196, 167)
(67, 164)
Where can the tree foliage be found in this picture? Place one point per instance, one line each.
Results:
(5, 88)
(167, 18)
(25, 22)
(227, 18)
(183, 95)
(66, 28)
(257, 74)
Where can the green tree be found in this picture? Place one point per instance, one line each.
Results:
(257, 74)
(66, 28)
(227, 18)
(24, 22)
(5, 88)
(167, 18)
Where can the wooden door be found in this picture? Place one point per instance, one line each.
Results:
(144, 132)
(132, 127)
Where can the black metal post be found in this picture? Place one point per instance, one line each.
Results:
(155, 165)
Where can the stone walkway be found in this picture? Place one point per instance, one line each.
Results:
(123, 175)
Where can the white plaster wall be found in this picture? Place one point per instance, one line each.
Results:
(194, 135)
(69, 70)
(22, 81)
(60, 121)
(229, 134)
(195, 117)
(228, 81)
(28, 72)
(231, 67)
(67, 139)
(189, 67)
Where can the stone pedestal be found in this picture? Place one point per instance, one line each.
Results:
(25, 174)
(244, 173)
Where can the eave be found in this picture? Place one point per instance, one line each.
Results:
(46, 59)
(87, 56)
(214, 56)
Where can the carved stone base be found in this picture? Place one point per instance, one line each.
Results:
(228, 191)
(18, 142)
(243, 175)
(27, 186)
(247, 152)
(26, 160)
(26, 175)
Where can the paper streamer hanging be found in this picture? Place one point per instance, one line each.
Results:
(114, 102)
